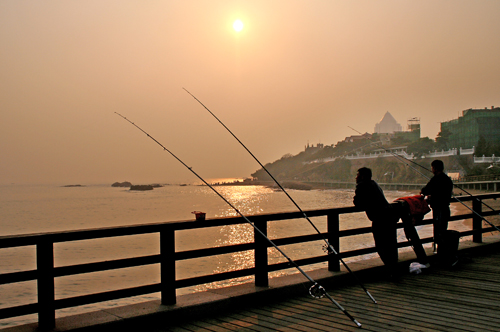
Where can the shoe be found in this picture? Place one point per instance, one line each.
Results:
(416, 268)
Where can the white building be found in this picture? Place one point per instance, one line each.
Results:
(387, 125)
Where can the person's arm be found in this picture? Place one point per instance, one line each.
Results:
(359, 199)
(428, 189)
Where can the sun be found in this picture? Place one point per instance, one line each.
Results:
(238, 25)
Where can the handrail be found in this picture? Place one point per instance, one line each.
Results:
(46, 272)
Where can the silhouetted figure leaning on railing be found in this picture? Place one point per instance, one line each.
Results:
(384, 217)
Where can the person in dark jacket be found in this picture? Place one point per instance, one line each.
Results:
(438, 191)
(370, 197)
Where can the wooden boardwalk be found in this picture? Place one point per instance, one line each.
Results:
(463, 298)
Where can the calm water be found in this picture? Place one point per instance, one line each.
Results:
(34, 209)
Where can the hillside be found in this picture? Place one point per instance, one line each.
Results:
(329, 163)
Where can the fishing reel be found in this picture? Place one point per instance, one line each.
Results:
(317, 291)
(328, 249)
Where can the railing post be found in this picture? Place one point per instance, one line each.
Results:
(45, 285)
(167, 265)
(261, 259)
(333, 229)
(477, 221)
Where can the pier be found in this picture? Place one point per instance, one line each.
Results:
(463, 298)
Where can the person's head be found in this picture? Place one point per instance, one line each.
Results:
(437, 166)
(364, 174)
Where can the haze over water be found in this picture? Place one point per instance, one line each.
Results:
(297, 72)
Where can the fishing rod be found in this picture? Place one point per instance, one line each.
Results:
(403, 160)
(330, 248)
(316, 290)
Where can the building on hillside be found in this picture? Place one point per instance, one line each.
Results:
(474, 123)
(413, 131)
(318, 146)
(355, 138)
(387, 125)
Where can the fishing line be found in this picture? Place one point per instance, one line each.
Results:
(329, 247)
(316, 289)
(403, 160)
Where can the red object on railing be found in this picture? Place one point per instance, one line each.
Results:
(199, 215)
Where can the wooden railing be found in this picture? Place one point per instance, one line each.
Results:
(479, 178)
(46, 273)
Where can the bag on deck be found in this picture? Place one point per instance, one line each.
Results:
(448, 248)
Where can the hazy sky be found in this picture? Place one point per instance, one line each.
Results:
(299, 72)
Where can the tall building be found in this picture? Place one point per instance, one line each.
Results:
(387, 125)
(474, 123)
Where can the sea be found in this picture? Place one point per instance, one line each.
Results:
(27, 209)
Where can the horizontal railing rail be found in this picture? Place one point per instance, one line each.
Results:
(46, 273)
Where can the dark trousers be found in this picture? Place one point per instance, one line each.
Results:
(441, 216)
(411, 232)
(385, 236)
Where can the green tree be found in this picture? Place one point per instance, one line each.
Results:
(421, 146)
(482, 147)
(494, 148)
(443, 139)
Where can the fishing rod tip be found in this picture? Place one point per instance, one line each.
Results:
(371, 297)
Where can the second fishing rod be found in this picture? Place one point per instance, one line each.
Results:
(316, 290)
(330, 248)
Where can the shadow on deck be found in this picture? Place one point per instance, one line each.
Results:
(463, 298)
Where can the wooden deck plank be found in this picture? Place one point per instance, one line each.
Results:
(369, 322)
(432, 308)
(188, 327)
(427, 291)
(403, 313)
(421, 290)
(247, 321)
(461, 299)
(372, 313)
(480, 294)
(465, 278)
(214, 325)
(436, 313)
(331, 317)
(265, 320)
(432, 299)
(288, 322)
(286, 319)
(313, 320)
(170, 329)
(474, 315)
